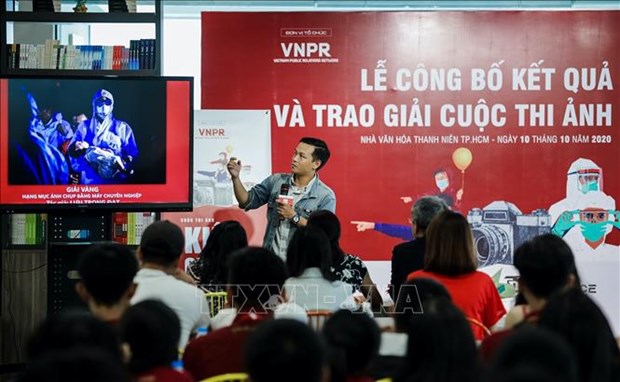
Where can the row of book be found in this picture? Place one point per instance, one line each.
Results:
(113, 5)
(128, 226)
(27, 229)
(140, 55)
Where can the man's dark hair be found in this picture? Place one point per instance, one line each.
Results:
(162, 243)
(152, 330)
(256, 275)
(449, 352)
(576, 318)
(284, 350)
(545, 264)
(309, 248)
(72, 329)
(321, 151)
(107, 271)
(76, 365)
(531, 351)
(412, 295)
(353, 341)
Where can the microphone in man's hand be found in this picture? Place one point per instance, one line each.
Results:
(283, 197)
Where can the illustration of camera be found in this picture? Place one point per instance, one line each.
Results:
(500, 227)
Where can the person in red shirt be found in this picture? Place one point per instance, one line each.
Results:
(450, 259)
(255, 282)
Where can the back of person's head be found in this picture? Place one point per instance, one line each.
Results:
(353, 341)
(329, 223)
(425, 209)
(441, 346)
(256, 275)
(162, 243)
(576, 318)
(412, 295)
(71, 329)
(533, 355)
(321, 151)
(284, 350)
(224, 239)
(76, 365)
(107, 272)
(545, 264)
(309, 248)
(449, 245)
(152, 330)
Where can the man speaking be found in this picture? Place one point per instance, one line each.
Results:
(290, 198)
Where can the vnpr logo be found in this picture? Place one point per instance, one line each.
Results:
(305, 49)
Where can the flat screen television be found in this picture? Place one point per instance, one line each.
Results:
(92, 143)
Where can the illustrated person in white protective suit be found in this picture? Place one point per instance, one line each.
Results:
(584, 180)
(584, 219)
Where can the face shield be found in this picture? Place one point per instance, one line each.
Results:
(588, 180)
(583, 176)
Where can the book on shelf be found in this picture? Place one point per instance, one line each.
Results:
(46, 5)
(117, 6)
(27, 229)
(129, 226)
(140, 55)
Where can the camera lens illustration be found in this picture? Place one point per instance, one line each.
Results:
(500, 227)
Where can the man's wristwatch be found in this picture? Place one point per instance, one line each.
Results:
(295, 219)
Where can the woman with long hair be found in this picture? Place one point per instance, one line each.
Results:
(312, 284)
(211, 269)
(348, 268)
(451, 260)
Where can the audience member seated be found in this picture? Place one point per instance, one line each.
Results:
(533, 354)
(440, 346)
(352, 344)
(546, 266)
(312, 284)
(107, 272)
(211, 268)
(73, 329)
(577, 319)
(409, 302)
(284, 351)
(255, 284)
(160, 248)
(450, 259)
(348, 268)
(151, 330)
(76, 364)
(409, 257)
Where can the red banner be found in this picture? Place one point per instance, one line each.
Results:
(527, 93)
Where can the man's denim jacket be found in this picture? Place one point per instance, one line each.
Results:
(318, 197)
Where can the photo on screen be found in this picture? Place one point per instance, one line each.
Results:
(86, 132)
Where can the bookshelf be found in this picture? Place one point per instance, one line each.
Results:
(135, 57)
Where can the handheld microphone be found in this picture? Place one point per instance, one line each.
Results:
(283, 196)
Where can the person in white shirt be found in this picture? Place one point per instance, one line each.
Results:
(312, 283)
(160, 249)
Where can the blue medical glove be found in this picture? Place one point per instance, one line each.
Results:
(564, 223)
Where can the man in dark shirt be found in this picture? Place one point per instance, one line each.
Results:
(408, 257)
